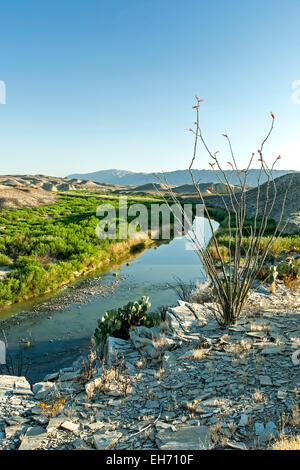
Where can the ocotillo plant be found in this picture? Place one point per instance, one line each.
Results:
(232, 282)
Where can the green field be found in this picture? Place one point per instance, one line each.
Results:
(49, 246)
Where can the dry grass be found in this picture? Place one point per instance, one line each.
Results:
(241, 349)
(115, 380)
(198, 354)
(294, 418)
(287, 443)
(257, 396)
(159, 373)
(223, 250)
(260, 327)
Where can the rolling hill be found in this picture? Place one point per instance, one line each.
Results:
(291, 212)
(177, 178)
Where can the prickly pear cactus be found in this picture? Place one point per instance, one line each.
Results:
(118, 323)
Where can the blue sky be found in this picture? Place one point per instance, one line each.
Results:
(98, 84)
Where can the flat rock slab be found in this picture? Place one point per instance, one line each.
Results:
(272, 350)
(33, 438)
(185, 438)
(16, 385)
(265, 380)
(106, 441)
(54, 423)
(12, 431)
(70, 426)
(42, 389)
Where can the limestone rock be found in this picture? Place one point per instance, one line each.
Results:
(94, 383)
(15, 385)
(265, 380)
(42, 389)
(151, 342)
(106, 441)
(33, 438)
(116, 347)
(243, 420)
(185, 438)
(272, 350)
(70, 426)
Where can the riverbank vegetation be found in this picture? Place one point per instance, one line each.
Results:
(48, 246)
(290, 244)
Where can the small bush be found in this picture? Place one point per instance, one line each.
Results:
(4, 260)
(223, 250)
(118, 323)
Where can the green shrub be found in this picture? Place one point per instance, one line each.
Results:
(288, 268)
(4, 260)
(118, 323)
(57, 240)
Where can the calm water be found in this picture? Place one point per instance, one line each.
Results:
(58, 337)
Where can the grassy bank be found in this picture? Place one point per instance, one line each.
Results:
(289, 244)
(49, 246)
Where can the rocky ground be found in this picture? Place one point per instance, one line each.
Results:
(186, 384)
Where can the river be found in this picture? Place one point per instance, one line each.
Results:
(59, 337)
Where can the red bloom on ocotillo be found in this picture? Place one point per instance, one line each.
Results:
(229, 163)
(224, 135)
(273, 117)
(279, 157)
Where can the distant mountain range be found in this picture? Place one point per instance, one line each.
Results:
(178, 177)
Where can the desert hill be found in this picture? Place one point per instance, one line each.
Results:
(177, 178)
(291, 214)
(21, 196)
(53, 183)
(36, 190)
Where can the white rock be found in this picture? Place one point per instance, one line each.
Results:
(33, 438)
(15, 385)
(70, 426)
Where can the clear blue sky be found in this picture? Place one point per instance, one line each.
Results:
(98, 84)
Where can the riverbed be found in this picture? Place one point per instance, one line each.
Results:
(59, 329)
